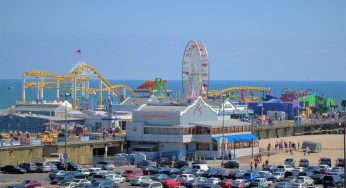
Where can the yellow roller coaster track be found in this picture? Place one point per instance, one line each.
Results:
(214, 93)
(76, 75)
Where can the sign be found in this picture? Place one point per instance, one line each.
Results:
(36, 142)
(84, 138)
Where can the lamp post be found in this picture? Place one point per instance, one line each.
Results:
(223, 129)
(65, 153)
(343, 104)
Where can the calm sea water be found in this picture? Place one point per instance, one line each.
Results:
(333, 89)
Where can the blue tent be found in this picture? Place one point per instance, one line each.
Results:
(237, 137)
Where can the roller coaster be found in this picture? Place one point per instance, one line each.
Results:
(75, 81)
(230, 92)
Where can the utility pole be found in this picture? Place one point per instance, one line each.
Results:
(223, 129)
(343, 103)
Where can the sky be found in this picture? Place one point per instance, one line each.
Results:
(140, 40)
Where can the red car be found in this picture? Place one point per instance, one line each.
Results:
(226, 183)
(171, 181)
(31, 183)
(131, 173)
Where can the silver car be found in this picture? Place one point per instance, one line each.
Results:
(105, 165)
(43, 167)
(139, 180)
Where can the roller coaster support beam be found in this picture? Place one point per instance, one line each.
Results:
(100, 95)
(57, 90)
(38, 89)
(41, 89)
(74, 94)
(23, 89)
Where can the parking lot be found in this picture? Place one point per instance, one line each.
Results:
(276, 157)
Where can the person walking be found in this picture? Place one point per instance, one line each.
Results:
(251, 165)
(256, 164)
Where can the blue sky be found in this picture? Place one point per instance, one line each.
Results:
(246, 40)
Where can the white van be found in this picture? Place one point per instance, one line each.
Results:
(200, 166)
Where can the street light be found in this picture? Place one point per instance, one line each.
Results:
(343, 104)
(65, 153)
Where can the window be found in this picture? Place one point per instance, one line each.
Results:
(202, 146)
(147, 130)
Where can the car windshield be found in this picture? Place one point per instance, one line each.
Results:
(129, 172)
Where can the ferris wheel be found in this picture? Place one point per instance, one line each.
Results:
(195, 70)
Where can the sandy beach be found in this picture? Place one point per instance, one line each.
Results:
(332, 146)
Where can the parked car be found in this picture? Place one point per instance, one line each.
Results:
(158, 177)
(285, 168)
(72, 166)
(171, 181)
(260, 182)
(139, 180)
(131, 173)
(179, 164)
(143, 163)
(151, 185)
(163, 162)
(325, 160)
(240, 183)
(29, 167)
(250, 175)
(68, 185)
(279, 176)
(231, 164)
(306, 180)
(340, 162)
(226, 183)
(13, 169)
(31, 183)
(61, 179)
(318, 178)
(284, 184)
(270, 167)
(115, 178)
(211, 172)
(330, 180)
(57, 173)
(105, 165)
(304, 163)
(43, 167)
(290, 162)
(103, 183)
(213, 181)
(52, 166)
(148, 170)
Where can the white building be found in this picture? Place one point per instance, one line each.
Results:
(180, 130)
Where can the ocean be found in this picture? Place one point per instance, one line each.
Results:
(333, 89)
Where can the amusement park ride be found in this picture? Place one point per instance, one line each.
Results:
(76, 81)
(195, 81)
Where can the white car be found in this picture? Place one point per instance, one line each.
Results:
(83, 171)
(279, 176)
(306, 180)
(187, 177)
(68, 185)
(79, 181)
(139, 180)
(153, 184)
(242, 182)
(286, 168)
(115, 178)
(299, 168)
(214, 180)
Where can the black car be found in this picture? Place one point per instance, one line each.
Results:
(318, 178)
(330, 180)
(325, 161)
(236, 174)
(61, 179)
(60, 165)
(13, 169)
(72, 166)
(231, 164)
(179, 164)
(148, 170)
(211, 172)
(270, 167)
(143, 163)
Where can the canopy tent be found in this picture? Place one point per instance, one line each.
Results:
(237, 137)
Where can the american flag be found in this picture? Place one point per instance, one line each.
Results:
(77, 52)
